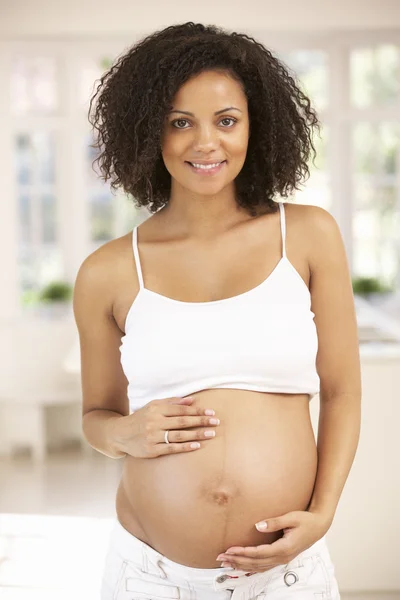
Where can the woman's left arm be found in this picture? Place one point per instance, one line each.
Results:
(338, 366)
(338, 361)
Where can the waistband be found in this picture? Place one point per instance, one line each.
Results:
(150, 560)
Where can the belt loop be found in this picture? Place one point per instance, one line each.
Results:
(145, 563)
(152, 566)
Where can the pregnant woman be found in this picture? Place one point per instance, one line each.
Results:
(206, 331)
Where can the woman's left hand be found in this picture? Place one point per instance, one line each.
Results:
(301, 530)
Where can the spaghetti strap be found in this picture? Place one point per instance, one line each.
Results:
(150, 362)
(283, 228)
(136, 255)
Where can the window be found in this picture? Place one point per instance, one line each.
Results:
(310, 70)
(65, 210)
(375, 137)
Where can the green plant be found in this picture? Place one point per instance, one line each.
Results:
(29, 297)
(56, 291)
(369, 285)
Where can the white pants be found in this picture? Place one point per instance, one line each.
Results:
(135, 570)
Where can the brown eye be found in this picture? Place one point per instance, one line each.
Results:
(186, 121)
(229, 119)
(179, 121)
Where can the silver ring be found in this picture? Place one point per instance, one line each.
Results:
(166, 437)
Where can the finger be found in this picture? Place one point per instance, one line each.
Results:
(186, 400)
(257, 559)
(274, 551)
(249, 565)
(175, 410)
(249, 569)
(251, 552)
(181, 435)
(188, 421)
(241, 562)
(278, 523)
(172, 448)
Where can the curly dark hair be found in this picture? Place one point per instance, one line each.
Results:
(136, 93)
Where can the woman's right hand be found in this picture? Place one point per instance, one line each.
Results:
(141, 434)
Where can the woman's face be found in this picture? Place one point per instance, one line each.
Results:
(203, 135)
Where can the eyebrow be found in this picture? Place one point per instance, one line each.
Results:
(216, 113)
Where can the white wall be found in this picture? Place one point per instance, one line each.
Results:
(364, 537)
(49, 18)
(32, 351)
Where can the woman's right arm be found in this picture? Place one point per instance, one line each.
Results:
(104, 385)
(106, 422)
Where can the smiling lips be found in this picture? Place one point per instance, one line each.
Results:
(205, 169)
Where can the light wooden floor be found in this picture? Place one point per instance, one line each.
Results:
(52, 518)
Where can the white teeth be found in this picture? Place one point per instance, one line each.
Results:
(206, 166)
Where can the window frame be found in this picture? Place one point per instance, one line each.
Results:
(70, 128)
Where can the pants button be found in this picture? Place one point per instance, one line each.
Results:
(290, 578)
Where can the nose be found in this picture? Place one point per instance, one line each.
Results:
(206, 140)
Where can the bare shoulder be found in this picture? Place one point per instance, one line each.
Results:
(332, 301)
(101, 270)
(309, 215)
(104, 385)
(318, 229)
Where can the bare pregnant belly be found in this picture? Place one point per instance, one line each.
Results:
(192, 506)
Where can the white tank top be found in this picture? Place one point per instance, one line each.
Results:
(263, 340)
